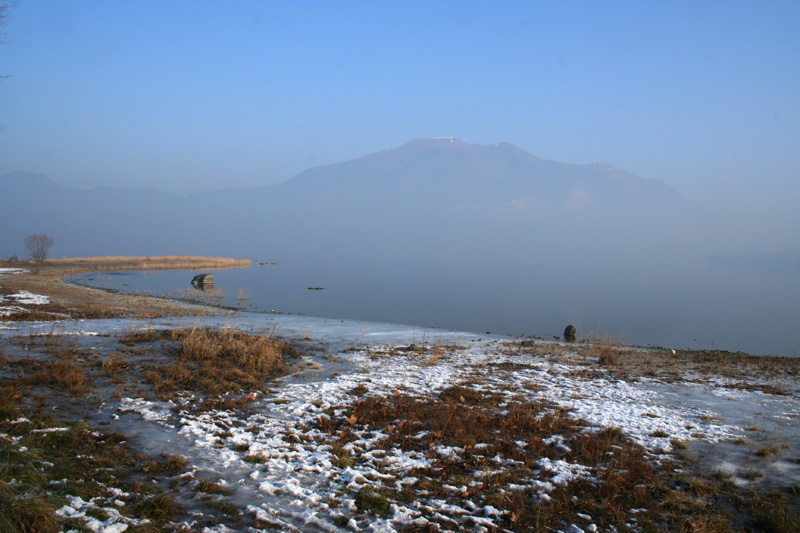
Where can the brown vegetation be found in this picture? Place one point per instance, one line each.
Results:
(608, 352)
(623, 488)
(261, 354)
(72, 302)
(44, 460)
(62, 374)
(226, 365)
(481, 427)
(211, 361)
(748, 372)
(122, 262)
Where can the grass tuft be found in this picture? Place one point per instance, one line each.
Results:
(23, 513)
(160, 506)
(772, 513)
(261, 354)
(62, 374)
(369, 500)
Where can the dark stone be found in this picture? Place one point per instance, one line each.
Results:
(569, 333)
(528, 343)
(203, 280)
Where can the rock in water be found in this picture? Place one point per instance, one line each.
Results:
(569, 333)
(203, 280)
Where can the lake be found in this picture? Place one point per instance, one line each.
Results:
(725, 311)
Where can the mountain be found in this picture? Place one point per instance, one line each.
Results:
(449, 170)
(427, 194)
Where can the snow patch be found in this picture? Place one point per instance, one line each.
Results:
(25, 297)
(8, 270)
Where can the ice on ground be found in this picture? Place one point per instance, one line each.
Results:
(115, 523)
(25, 297)
(283, 470)
(10, 270)
(20, 298)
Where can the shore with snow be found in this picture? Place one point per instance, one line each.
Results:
(381, 427)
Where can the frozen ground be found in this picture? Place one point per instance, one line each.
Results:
(279, 464)
(21, 297)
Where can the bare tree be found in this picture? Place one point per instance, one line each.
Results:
(38, 245)
(5, 7)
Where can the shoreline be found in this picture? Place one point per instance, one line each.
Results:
(69, 300)
(683, 421)
(84, 301)
(366, 303)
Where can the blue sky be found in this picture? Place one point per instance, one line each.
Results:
(197, 95)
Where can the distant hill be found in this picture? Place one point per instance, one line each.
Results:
(440, 193)
(451, 172)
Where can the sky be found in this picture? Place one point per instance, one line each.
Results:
(184, 96)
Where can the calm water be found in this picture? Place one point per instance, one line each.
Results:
(728, 312)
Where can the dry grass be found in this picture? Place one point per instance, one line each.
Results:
(70, 301)
(206, 486)
(609, 352)
(57, 344)
(160, 506)
(213, 362)
(62, 374)
(132, 338)
(260, 354)
(122, 262)
(42, 460)
(624, 489)
(772, 513)
(745, 371)
(534, 347)
(484, 426)
(25, 513)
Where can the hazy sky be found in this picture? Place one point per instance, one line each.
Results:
(198, 95)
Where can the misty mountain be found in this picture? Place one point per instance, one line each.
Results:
(447, 171)
(440, 193)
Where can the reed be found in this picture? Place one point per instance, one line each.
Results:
(121, 262)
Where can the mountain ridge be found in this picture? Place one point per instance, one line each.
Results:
(500, 172)
(433, 189)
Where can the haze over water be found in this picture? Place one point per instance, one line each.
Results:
(286, 130)
(736, 312)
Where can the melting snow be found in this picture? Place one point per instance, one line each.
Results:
(22, 297)
(25, 297)
(294, 480)
(7, 270)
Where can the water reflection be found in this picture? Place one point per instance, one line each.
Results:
(723, 312)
